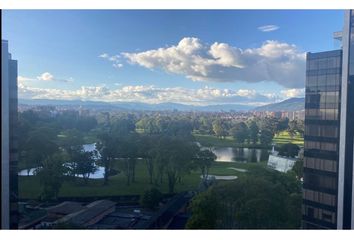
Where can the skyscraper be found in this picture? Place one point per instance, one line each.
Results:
(9, 189)
(329, 132)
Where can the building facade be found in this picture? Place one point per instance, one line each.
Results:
(329, 131)
(321, 149)
(9, 188)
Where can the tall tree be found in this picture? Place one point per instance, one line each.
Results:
(51, 175)
(107, 148)
(252, 202)
(83, 163)
(289, 150)
(253, 131)
(204, 159)
(266, 137)
(240, 132)
(219, 129)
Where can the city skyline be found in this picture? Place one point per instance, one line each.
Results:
(189, 57)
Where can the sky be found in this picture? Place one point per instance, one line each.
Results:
(197, 57)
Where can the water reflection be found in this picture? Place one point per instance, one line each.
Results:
(229, 154)
(87, 148)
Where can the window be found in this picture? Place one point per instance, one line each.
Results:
(320, 164)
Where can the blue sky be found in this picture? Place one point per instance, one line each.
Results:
(193, 57)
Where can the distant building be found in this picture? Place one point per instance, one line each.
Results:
(9, 189)
(280, 164)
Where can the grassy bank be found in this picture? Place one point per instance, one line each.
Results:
(29, 187)
(213, 141)
(284, 137)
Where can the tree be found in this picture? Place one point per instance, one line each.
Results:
(83, 163)
(127, 152)
(51, 176)
(107, 148)
(123, 125)
(240, 132)
(151, 198)
(289, 150)
(282, 125)
(266, 137)
(204, 211)
(292, 128)
(71, 138)
(40, 145)
(174, 157)
(147, 152)
(253, 131)
(260, 200)
(204, 159)
(298, 168)
(269, 124)
(86, 123)
(219, 129)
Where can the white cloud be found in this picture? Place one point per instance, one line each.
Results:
(24, 79)
(274, 61)
(268, 28)
(149, 94)
(46, 76)
(117, 65)
(104, 55)
(115, 59)
(294, 92)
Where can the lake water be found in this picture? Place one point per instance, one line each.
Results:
(229, 154)
(223, 154)
(87, 148)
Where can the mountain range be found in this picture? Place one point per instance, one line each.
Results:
(293, 104)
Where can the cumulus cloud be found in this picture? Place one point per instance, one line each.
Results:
(46, 76)
(115, 59)
(24, 79)
(294, 92)
(274, 61)
(117, 65)
(268, 28)
(104, 55)
(149, 94)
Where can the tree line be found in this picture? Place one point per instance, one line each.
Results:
(57, 152)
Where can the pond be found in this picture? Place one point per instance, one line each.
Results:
(230, 154)
(87, 148)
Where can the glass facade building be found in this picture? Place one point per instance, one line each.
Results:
(9, 186)
(322, 114)
(329, 133)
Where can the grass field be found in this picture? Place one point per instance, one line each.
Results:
(284, 137)
(29, 187)
(213, 141)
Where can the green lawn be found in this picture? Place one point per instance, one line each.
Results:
(29, 186)
(284, 137)
(213, 141)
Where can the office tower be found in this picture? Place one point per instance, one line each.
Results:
(9, 189)
(329, 132)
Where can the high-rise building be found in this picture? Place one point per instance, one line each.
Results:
(329, 131)
(9, 188)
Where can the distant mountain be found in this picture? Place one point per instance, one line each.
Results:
(291, 104)
(136, 105)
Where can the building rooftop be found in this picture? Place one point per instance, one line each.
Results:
(65, 208)
(92, 210)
